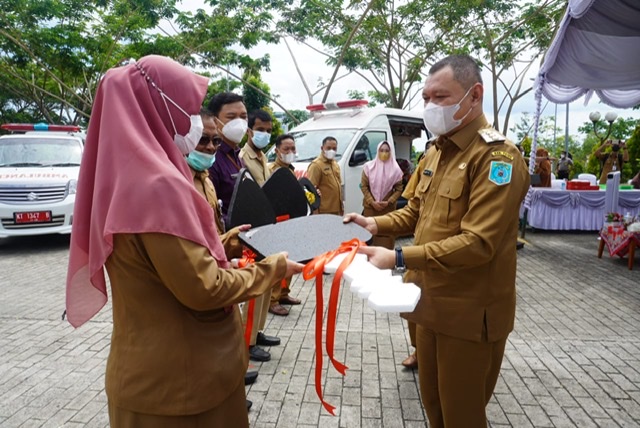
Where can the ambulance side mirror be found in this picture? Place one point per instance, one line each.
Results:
(358, 157)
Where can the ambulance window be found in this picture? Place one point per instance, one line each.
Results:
(369, 142)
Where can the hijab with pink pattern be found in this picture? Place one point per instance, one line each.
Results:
(133, 178)
(383, 175)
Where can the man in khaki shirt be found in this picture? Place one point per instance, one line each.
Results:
(259, 135)
(464, 214)
(324, 173)
(285, 155)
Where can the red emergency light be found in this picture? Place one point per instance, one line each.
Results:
(338, 105)
(24, 127)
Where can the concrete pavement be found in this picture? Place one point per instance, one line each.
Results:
(572, 361)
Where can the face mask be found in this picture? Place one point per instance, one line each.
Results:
(260, 139)
(439, 119)
(186, 143)
(384, 156)
(330, 154)
(288, 158)
(235, 129)
(200, 161)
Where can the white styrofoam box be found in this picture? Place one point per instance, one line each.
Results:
(378, 283)
(362, 269)
(397, 298)
(333, 265)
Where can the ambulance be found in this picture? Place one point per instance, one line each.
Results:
(358, 130)
(39, 167)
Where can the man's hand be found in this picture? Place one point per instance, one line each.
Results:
(367, 222)
(380, 257)
(292, 267)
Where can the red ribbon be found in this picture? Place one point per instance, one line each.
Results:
(315, 268)
(248, 257)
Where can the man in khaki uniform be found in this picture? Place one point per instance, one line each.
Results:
(259, 135)
(285, 155)
(612, 160)
(464, 214)
(324, 173)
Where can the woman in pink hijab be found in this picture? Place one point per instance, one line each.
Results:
(381, 186)
(177, 354)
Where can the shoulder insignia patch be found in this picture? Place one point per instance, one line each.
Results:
(490, 135)
(504, 154)
(500, 173)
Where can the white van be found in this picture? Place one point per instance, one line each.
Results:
(38, 176)
(358, 131)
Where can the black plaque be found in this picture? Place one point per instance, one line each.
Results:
(249, 204)
(308, 185)
(286, 194)
(303, 237)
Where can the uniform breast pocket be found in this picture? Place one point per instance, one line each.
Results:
(449, 203)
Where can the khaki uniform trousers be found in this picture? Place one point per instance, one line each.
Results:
(279, 292)
(457, 378)
(261, 308)
(230, 413)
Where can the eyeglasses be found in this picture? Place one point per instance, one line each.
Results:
(205, 139)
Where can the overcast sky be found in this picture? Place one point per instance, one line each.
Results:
(286, 84)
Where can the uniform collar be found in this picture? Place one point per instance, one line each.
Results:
(465, 136)
(200, 174)
(282, 164)
(251, 152)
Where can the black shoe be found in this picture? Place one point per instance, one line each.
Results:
(250, 377)
(264, 340)
(249, 404)
(258, 354)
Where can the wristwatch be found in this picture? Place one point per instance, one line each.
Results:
(399, 268)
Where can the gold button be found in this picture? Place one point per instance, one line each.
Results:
(441, 162)
(433, 190)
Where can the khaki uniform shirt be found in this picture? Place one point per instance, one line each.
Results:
(174, 349)
(611, 160)
(256, 163)
(274, 166)
(325, 175)
(464, 214)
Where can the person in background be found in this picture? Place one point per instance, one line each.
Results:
(324, 173)
(230, 114)
(464, 214)
(543, 167)
(612, 160)
(259, 135)
(285, 155)
(381, 185)
(177, 355)
(563, 168)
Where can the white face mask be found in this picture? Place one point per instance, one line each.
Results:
(288, 158)
(186, 143)
(235, 129)
(439, 119)
(330, 154)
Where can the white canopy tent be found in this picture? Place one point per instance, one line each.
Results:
(596, 49)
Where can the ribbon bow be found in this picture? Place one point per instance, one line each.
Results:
(315, 268)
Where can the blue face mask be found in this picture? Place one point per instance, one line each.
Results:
(200, 161)
(260, 139)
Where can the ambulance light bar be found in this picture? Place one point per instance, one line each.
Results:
(23, 127)
(338, 105)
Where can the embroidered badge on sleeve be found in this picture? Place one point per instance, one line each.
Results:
(500, 173)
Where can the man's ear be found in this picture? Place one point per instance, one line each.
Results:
(476, 93)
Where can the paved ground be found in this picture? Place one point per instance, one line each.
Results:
(573, 360)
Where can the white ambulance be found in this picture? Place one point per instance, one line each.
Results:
(38, 176)
(358, 130)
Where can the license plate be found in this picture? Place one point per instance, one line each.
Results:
(33, 217)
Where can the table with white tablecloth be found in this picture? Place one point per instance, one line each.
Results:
(554, 209)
